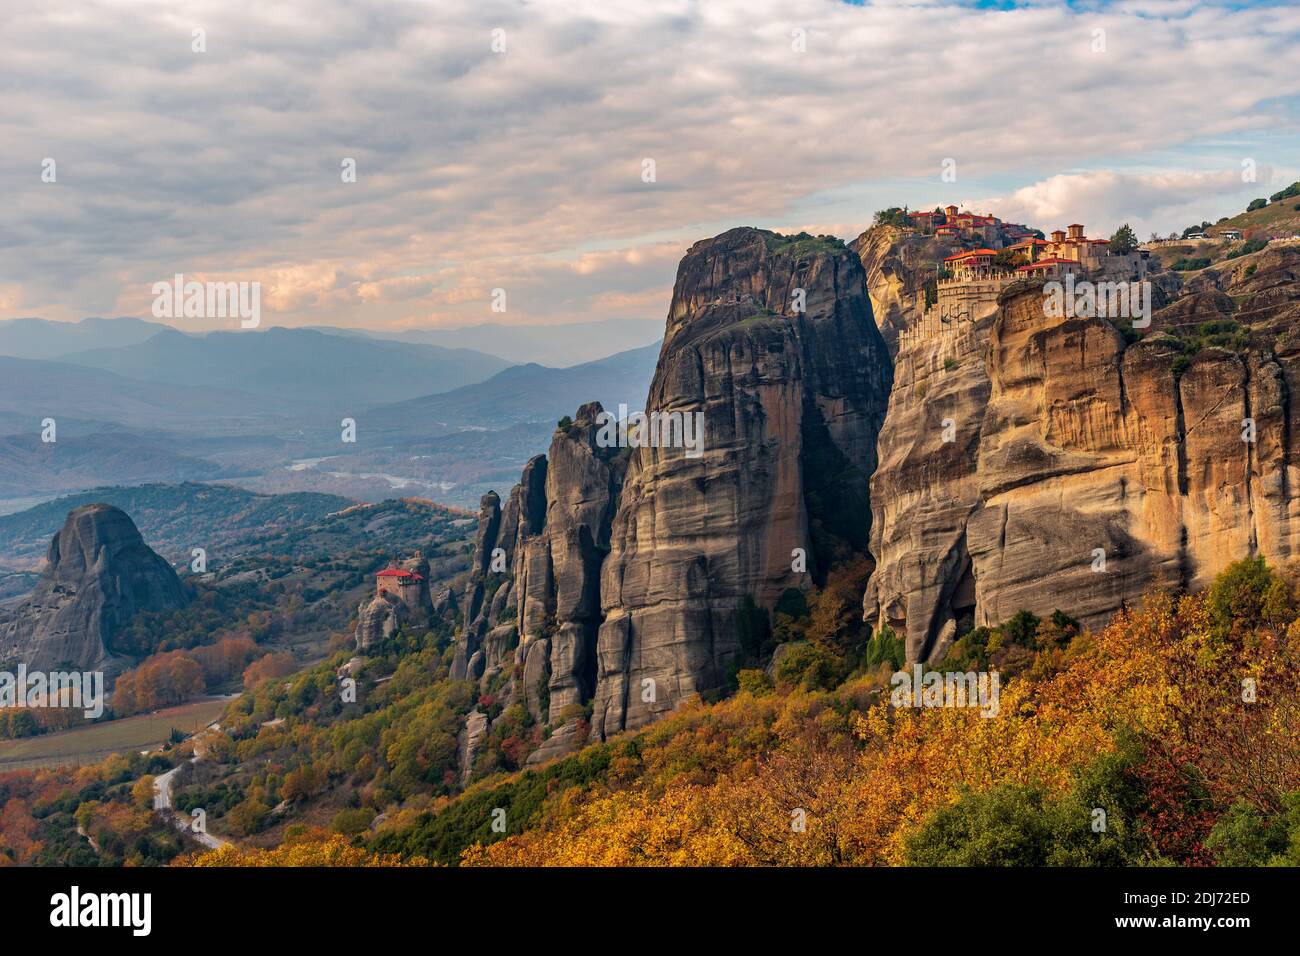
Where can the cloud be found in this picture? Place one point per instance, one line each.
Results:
(522, 169)
(1107, 198)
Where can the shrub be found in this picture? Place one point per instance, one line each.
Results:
(754, 682)
(352, 822)
(1292, 190)
(1246, 594)
(886, 647)
(809, 666)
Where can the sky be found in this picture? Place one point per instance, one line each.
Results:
(503, 145)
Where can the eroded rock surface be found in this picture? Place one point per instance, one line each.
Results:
(99, 574)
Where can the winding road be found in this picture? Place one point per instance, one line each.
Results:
(162, 803)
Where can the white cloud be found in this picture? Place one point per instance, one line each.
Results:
(1105, 198)
(522, 169)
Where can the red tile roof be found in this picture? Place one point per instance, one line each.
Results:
(1046, 262)
(972, 252)
(398, 573)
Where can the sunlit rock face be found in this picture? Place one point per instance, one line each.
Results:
(791, 403)
(1080, 468)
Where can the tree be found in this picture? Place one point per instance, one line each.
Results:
(1006, 259)
(893, 216)
(1256, 204)
(1123, 241)
(249, 816)
(1292, 190)
(276, 664)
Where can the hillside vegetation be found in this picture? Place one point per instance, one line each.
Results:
(1170, 736)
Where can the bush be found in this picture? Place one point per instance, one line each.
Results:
(1292, 190)
(886, 647)
(754, 682)
(352, 822)
(249, 817)
(1096, 824)
(1247, 594)
(809, 666)
(1256, 204)
(1247, 247)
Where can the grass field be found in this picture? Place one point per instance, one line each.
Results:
(87, 745)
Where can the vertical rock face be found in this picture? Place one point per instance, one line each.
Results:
(791, 403)
(898, 263)
(99, 575)
(1068, 446)
(631, 568)
(540, 558)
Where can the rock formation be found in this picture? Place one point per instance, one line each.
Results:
(380, 617)
(1008, 459)
(1059, 463)
(632, 592)
(898, 263)
(792, 402)
(99, 575)
(533, 599)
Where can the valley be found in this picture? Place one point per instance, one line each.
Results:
(639, 655)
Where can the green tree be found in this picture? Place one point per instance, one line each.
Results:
(1123, 241)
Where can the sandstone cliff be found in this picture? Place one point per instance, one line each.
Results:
(791, 403)
(99, 575)
(632, 578)
(898, 263)
(1059, 463)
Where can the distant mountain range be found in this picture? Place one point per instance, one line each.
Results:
(528, 393)
(297, 368)
(42, 339)
(560, 346)
(33, 389)
(136, 401)
(30, 467)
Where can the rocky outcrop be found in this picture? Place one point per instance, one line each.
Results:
(791, 403)
(99, 574)
(539, 559)
(898, 263)
(636, 577)
(1056, 462)
(380, 617)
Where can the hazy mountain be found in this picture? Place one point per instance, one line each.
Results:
(43, 339)
(30, 467)
(297, 368)
(31, 390)
(526, 393)
(557, 345)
